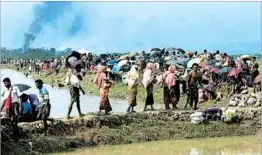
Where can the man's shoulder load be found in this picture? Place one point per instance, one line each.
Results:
(72, 79)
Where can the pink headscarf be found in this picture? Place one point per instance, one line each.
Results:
(99, 76)
(169, 76)
(148, 76)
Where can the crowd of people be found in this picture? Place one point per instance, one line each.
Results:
(21, 107)
(178, 72)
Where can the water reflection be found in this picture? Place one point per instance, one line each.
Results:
(60, 98)
(210, 146)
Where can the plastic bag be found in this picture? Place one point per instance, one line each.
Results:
(251, 100)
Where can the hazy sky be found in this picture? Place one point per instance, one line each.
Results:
(133, 26)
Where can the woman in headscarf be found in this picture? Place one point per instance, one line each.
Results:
(238, 63)
(169, 79)
(132, 80)
(103, 84)
(148, 82)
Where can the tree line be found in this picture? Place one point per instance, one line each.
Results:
(47, 53)
(32, 53)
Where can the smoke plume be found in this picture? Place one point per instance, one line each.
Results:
(45, 13)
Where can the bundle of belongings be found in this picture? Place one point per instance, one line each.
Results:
(75, 71)
(73, 60)
(197, 117)
(244, 100)
(213, 114)
(208, 114)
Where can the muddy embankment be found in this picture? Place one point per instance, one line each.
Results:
(93, 130)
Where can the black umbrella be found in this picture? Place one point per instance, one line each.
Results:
(22, 87)
(156, 49)
(180, 50)
(225, 70)
(154, 53)
(103, 56)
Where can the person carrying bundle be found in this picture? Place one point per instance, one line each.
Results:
(73, 79)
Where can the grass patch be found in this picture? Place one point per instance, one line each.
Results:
(142, 130)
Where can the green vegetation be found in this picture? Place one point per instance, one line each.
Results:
(110, 132)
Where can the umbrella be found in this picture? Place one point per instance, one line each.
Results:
(181, 61)
(207, 67)
(213, 70)
(22, 87)
(246, 57)
(121, 63)
(191, 62)
(203, 64)
(156, 49)
(180, 50)
(234, 72)
(103, 56)
(171, 62)
(211, 62)
(154, 53)
(171, 49)
(225, 70)
(116, 68)
(111, 62)
(185, 58)
(124, 56)
(258, 79)
(84, 51)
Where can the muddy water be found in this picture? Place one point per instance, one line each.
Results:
(60, 98)
(211, 146)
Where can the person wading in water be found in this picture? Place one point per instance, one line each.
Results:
(194, 81)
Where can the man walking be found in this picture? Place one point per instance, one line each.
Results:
(75, 90)
(194, 82)
(45, 106)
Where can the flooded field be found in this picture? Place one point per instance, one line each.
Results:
(210, 146)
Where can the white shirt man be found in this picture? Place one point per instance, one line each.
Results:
(14, 95)
(206, 56)
(218, 59)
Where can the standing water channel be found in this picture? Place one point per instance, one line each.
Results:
(60, 98)
(207, 146)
